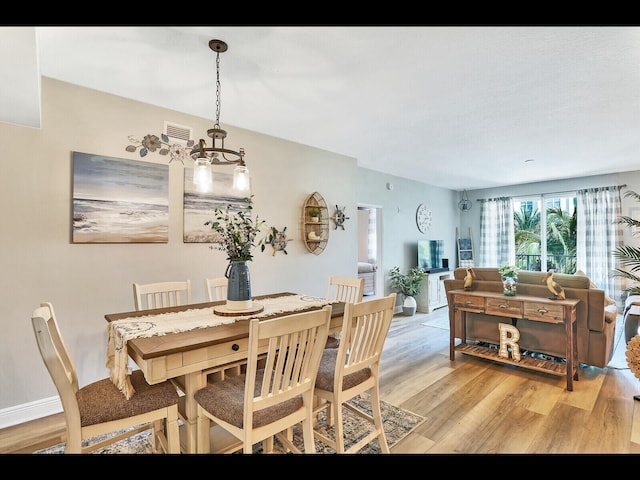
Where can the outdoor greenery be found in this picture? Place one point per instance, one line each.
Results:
(410, 284)
(629, 256)
(561, 239)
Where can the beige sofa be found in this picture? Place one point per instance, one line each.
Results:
(596, 315)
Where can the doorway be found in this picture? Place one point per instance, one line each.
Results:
(370, 249)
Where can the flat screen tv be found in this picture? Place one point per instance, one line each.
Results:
(430, 254)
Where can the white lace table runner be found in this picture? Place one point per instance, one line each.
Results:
(119, 331)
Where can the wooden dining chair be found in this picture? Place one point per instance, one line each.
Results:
(161, 294)
(99, 408)
(353, 369)
(216, 288)
(276, 392)
(345, 289)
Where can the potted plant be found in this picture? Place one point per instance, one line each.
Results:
(408, 285)
(509, 275)
(314, 213)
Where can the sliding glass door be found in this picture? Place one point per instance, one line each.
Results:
(545, 232)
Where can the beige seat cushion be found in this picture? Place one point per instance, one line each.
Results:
(607, 300)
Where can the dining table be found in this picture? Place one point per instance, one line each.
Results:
(199, 354)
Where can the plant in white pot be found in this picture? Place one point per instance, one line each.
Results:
(408, 285)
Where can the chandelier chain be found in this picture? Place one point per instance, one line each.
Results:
(217, 124)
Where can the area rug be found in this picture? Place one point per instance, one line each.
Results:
(398, 423)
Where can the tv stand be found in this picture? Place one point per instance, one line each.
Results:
(432, 294)
(436, 270)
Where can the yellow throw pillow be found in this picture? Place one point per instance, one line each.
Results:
(607, 300)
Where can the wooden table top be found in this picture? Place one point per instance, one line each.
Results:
(161, 345)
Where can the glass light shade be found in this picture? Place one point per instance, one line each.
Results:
(241, 179)
(202, 175)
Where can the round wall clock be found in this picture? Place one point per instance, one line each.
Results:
(423, 218)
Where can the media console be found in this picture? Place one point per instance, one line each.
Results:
(537, 309)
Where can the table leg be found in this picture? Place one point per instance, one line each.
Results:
(192, 383)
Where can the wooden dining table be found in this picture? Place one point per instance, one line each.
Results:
(189, 358)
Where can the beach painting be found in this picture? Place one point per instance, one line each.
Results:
(199, 207)
(119, 201)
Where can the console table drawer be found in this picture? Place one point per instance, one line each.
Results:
(543, 312)
(504, 307)
(470, 302)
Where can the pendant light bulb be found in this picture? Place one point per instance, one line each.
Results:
(241, 179)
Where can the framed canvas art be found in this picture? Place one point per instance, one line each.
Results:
(119, 201)
(199, 206)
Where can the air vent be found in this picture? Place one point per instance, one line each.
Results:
(177, 133)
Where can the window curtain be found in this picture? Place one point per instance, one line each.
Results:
(599, 235)
(497, 246)
(372, 241)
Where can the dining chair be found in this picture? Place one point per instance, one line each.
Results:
(161, 294)
(345, 289)
(216, 288)
(353, 369)
(276, 391)
(99, 408)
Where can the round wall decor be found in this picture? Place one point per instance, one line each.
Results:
(423, 218)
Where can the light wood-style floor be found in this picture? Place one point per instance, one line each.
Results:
(471, 405)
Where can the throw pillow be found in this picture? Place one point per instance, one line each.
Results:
(607, 300)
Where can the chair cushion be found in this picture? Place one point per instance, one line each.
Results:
(101, 401)
(225, 400)
(326, 372)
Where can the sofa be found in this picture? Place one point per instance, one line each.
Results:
(367, 271)
(596, 315)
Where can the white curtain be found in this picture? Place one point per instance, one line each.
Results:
(598, 235)
(497, 245)
(372, 241)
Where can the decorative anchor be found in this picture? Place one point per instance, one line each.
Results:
(340, 217)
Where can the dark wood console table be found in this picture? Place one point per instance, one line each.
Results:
(538, 309)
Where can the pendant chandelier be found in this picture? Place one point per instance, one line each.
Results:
(205, 156)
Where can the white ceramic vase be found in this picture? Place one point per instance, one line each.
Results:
(409, 306)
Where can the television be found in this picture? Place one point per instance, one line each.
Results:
(430, 255)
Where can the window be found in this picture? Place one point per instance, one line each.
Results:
(553, 246)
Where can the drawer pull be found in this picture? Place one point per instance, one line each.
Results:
(542, 311)
(504, 305)
(235, 347)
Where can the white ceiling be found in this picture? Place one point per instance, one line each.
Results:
(457, 107)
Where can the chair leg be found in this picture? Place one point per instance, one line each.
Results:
(203, 432)
(336, 407)
(307, 434)
(377, 419)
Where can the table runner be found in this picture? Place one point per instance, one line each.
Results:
(119, 331)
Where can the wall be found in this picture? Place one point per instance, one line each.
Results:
(86, 281)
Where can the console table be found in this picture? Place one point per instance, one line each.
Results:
(538, 309)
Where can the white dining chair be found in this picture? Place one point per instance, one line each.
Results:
(161, 294)
(216, 288)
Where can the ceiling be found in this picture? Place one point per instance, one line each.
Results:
(458, 107)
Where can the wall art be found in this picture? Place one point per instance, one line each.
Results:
(117, 200)
(199, 206)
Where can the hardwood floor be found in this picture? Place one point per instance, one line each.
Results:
(471, 405)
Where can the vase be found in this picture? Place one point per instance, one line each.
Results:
(239, 286)
(509, 286)
(409, 306)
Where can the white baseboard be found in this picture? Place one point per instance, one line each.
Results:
(29, 411)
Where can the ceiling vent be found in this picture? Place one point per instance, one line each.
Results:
(177, 133)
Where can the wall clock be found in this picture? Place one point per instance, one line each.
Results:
(423, 218)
